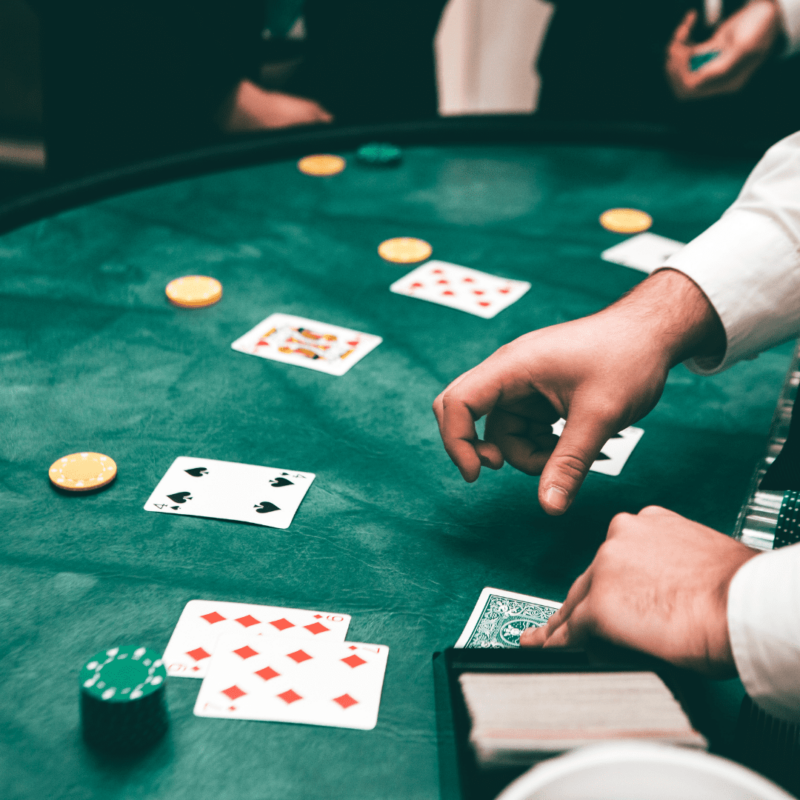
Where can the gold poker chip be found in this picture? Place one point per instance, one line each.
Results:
(82, 472)
(321, 164)
(625, 220)
(404, 250)
(194, 291)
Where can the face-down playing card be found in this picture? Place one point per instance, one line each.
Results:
(307, 343)
(461, 287)
(203, 487)
(294, 680)
(645, 252)
(614, 453)
(204, 623)
(500, 617)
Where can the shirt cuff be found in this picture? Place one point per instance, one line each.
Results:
(790, 16)
(764, 630)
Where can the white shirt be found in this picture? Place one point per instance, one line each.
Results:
(748, 265)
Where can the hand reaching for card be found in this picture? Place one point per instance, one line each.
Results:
(659, 584)
(601, 373)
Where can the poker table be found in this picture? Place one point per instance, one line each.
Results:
(95, 358)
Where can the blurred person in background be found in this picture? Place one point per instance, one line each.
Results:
(125, 82)
(643, 62)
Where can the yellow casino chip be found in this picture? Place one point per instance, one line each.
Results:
(321, 165)
(404, 250)
(82, 472)
(625, 220)
(194, 291)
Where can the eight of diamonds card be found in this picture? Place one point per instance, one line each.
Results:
(204, 622)
(203, 487)
(461, 287)
(615, 451)
(294, 680)
(307, 343)
(499, 618)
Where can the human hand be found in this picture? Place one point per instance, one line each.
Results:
(601, 373)
(658, 584)
(250, 108)
(743, 41)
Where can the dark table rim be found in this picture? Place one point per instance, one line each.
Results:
(261, 148)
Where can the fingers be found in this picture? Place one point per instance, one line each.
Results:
(683, 32)
(535, 637)
(524, 443)
(584, 435)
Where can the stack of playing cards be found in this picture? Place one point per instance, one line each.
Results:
(277, 664)
(519, 719)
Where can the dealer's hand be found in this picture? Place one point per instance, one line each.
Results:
(659, 584)
(601, 373)
(743, 41)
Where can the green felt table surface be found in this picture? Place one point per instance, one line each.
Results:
(93, 357)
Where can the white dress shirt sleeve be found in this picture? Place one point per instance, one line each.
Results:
(748, 262)
(790, 16)
(764, 628)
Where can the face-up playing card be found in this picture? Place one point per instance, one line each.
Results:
(203, 487)
(615, 451)
(307, 343)
(461, 287)
(204, 623)
(500, 617)
(645, 252)
(294, 680)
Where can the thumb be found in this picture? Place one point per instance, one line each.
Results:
(684, 31)
(584, 435)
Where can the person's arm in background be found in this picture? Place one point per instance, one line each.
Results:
(744, 41)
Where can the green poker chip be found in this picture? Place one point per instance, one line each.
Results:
(122, 693)
(379, 154)
(123, 674)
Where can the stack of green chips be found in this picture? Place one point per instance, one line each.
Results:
(123, 706)
(379, 154)
(788, 529)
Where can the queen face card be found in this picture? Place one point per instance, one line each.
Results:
(336, 684)
(461, 287)
(204, 487)
(204, 622)
(307, 343)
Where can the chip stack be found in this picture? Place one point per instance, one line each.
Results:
(123, 705)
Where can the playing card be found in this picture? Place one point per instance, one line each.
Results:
(615, 452)
(204, 622)
(461, 287)
(499, 618)
(292, 680)
(203, 487)
(307, 343)
(645, 252)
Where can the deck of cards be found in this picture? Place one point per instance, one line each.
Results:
(277, 664)
(646, 252)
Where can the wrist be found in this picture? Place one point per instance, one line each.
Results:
(673, 319)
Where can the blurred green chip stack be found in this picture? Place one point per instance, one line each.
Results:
(379, 154)
(123, 705)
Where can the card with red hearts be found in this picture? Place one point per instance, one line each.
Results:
(461, 287)
(307, 343)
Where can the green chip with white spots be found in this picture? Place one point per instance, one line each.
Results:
(379, 154)
(123, 674)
